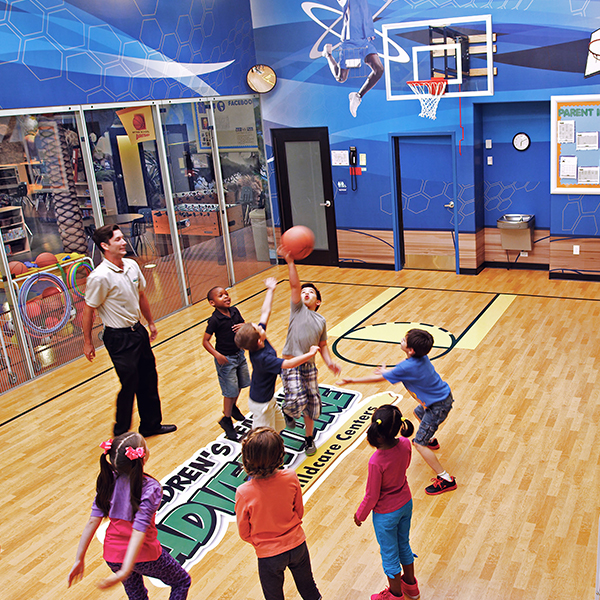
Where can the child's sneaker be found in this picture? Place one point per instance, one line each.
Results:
(385, 595)
(290, 422)
(410, 590)
(433, 444)
(440, 485)
(237, 414)
(309, 446)
(227, 426)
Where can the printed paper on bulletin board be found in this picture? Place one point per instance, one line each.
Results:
(574, 151)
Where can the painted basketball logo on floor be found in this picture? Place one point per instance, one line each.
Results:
(199, 496)
(392, 333)
(351, 330)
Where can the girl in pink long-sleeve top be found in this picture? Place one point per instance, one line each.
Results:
(389, 497)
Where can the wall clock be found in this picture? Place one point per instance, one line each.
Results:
(521, 141)
(261, 78)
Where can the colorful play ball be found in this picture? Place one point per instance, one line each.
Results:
(52, 298)
(66, 331)
(299, 241)
(33, 309)
(17, 267)
(51, 322)
(45, 259)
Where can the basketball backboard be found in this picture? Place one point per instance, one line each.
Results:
(457, 49)
(592, 65)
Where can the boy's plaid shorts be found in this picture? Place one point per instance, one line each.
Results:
(301, 391)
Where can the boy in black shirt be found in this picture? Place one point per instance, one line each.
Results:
(230, 361)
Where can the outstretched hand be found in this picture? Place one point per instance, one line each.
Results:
(380, 370)
(111, 580)
(344, 381)
(76, 573)
(285, 253)
(270, 283)
(335, 369)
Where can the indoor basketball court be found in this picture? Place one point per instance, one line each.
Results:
(520, 356)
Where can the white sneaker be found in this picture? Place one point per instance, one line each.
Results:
(327, 50)
(355, 101)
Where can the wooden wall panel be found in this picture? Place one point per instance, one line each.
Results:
(562, 257)
(370, 246)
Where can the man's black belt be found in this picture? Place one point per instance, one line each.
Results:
(132, 328)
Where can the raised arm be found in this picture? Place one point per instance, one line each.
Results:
(295, 287)
(265, 313)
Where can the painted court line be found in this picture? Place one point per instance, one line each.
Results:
(482, 326)
(368, 309)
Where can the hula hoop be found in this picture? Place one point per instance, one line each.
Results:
(73, 277)
(22, 303)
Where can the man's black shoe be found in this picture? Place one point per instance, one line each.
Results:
(162, 430)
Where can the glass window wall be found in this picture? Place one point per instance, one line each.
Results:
(203, 180)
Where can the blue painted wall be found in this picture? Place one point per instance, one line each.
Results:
(542, 49)
(55, 52)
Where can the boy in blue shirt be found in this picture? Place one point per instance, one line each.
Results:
(433, 395)
(266, 366)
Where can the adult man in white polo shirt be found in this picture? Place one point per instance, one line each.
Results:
(115, 288)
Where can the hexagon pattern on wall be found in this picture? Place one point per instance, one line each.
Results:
(168, 49)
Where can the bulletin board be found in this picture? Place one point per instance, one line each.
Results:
(574, 145)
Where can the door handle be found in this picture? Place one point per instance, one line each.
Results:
(327, 203)
(450, 205)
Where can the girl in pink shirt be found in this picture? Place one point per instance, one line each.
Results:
(130, 499)
(269, 513)
(389, 497)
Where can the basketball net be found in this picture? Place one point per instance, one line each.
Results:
(429, 93)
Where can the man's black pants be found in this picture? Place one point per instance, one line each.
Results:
(131, 354)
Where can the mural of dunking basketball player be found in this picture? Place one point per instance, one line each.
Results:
(358, 34)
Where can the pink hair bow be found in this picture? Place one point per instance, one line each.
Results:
(134, 453)
(106, 446)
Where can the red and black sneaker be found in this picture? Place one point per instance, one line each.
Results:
(440, 485)
(433, 444)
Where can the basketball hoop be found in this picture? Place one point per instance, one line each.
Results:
(594, 48)
(429, 93)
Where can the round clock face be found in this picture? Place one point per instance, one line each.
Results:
(521, 141)
(261, 78)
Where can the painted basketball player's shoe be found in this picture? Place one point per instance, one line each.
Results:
(355, 101)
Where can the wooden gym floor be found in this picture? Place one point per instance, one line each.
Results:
(522, 441)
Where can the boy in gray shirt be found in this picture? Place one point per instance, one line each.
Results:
(306, 328)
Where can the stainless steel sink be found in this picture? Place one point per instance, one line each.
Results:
(516, 221)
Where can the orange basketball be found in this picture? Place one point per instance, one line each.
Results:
(17, 267)
(299, 241)
(45, 259)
